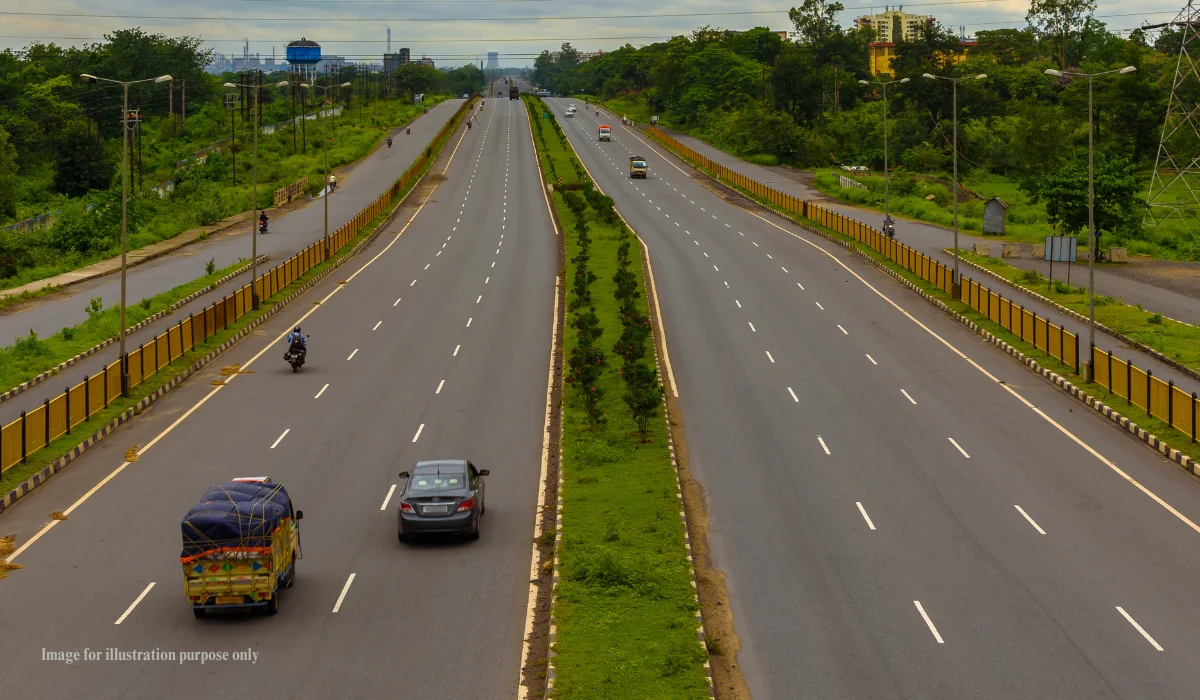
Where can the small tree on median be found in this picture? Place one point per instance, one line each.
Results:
(643, 393)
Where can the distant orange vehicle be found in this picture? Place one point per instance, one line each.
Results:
(605, 132)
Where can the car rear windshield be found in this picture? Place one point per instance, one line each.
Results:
(434, 480)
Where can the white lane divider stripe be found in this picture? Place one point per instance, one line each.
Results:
(388, 497)
(738, 303)
(1031, 522)
(872, 359)
(800, 286)
(911, 399)
(772, 359)
(419, 429)
(412, 283)
(823, 445)
(929, 622)
(345, 589)
(960, 449)
(843, 330)
(377, 326)
(456, 347)
(752, 328)
(397, 301)
(781, 267)
(477, 300)
(819, 305)
(280, 438)
(440, 385)
(469, 321)
(1138, 627)
(793, 395)
(322, 391)
(352, 354)
(864, 514)
(143, 595)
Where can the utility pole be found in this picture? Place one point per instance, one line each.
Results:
(292, 90)
(837, 88)
(183, 105)
(171, 105)
(764, 86)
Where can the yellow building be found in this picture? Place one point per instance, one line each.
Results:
(881, 53)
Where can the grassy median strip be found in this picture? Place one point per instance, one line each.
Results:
(30, 355)
(1178, 341)
(625, 610)
(1165, 432)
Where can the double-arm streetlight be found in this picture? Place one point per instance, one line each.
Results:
(254, 194)
(325, 196)
(1093, 243)
(982, 76)
(124, 200)
(886, 201)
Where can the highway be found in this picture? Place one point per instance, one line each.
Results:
(288, 233)
(437, 346)
(900, 510)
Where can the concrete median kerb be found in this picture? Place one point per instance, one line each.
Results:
(24, 386)
(23, 489)
(1141, 347)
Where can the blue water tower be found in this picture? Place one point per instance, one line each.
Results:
(304, 53)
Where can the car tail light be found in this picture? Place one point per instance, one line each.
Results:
(466, 505)
(406, 507)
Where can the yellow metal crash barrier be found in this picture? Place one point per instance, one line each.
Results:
(1160, 399)
(57, 416)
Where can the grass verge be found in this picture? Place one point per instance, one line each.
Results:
(30, 355)
(1167, 433)
(1178, 341)
(625, 610)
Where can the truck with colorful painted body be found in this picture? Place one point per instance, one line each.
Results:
(240, 546)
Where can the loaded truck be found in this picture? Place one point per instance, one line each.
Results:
(637, 167)
(514, 93)
(240, 546)
(605, 132)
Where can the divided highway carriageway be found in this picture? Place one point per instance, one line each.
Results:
(437, 346)
(900, 510)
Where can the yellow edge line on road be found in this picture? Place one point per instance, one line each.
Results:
(228, 381)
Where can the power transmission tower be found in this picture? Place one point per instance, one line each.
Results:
(1175, 182)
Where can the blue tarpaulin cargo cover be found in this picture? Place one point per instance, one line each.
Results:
(234, 516)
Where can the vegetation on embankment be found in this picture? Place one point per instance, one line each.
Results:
(625, 609)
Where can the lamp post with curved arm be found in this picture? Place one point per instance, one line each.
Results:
(124, 201)
(254, 194)
(325, 196)
(982, 76)
(1093, 243)
(886, 200)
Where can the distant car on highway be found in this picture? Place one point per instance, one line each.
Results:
(441, 497)
(465, 95)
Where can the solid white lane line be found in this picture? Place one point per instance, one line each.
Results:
(280, 438)
(908, 397)
(322, 391)
(397, 301)
(752, 328)
(843, 330)
(139, 599)
(793, 395)
(1031, 522)
(377, 326)
(819, 305)
(872, 359)
(345, 589)
(928, 622)
(864, 514)
(388, 497)
(823, 445)
(419, 429)
(1138, 627)
(960, 449)
(352, 354)
(456, 347)
(439, 389)
(469, 321)
(738, 303)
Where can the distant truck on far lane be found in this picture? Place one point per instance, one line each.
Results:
(514, 93)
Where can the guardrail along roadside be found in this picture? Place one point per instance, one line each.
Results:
(61, 413)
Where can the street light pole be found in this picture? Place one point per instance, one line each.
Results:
(124, 203)
(326, 193)
(256, 88)
(886, 195)
(955, 284)
(1093, 241)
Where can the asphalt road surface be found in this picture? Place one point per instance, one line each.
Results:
(288, 233)
(439, 348)
(901, 511)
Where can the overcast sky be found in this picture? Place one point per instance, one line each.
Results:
(454, 32)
